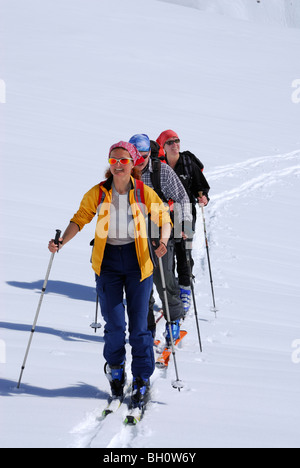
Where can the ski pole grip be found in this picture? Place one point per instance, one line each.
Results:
(200, 194)
(155, 243)
(58, 234)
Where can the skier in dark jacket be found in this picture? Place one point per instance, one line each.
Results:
(190, 171)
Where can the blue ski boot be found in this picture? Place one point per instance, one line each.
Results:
(186, 296)
(175, 326)
(140, 392)
(116, 376)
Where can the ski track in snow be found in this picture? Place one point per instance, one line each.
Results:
(254, 183)
(111, 432)
(226, 170)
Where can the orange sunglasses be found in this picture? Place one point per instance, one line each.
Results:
(124, 161)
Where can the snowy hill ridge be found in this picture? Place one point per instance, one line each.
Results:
(283, 12)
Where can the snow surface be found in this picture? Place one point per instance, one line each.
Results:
(80, 76)
(281, 12)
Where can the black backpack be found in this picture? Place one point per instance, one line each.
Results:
(188, 158)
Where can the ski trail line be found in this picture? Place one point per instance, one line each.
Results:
(241, 180)
(86, 431)
(110, 432)
(258, 182)
(251, 185)
(230, 169)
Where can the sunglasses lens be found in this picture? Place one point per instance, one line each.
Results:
(124, 162)
(171, 142)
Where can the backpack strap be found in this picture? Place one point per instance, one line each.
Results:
(139, 194)
(140, 199)
(155, 175)
(190, 157)
(156, 179)
(187, 164)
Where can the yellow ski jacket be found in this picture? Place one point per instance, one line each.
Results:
(98, 201)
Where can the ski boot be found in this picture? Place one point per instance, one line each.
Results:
(116, 376)
(175, 326)
(140, 392)
(186, 296)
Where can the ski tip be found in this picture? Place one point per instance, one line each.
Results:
(106, 412)
(131, 421)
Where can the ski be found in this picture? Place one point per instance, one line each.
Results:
(137, 408)
(162, 361)
(114, 404)
(134, 416)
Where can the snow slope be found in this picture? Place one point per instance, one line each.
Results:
(80, 76)
(280, 12)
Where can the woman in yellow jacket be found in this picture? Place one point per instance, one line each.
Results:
(122, 260)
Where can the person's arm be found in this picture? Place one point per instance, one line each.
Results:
(200, 186)
(164, 239)
(160, 216)
(84, 215)
(165, 233)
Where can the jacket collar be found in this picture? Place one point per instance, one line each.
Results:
(108, 183)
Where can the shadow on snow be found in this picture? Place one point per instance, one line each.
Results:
(71, 290)
(80, 390)
(64, 335)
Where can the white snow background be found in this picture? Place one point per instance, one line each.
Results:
(81, 75)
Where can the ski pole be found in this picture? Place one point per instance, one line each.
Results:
(188, 259)
(95, 324)
(56, 241)
(214, 308)
(178, 383)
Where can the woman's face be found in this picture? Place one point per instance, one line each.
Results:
(172, 146)
(119, 170)
(145, 155)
